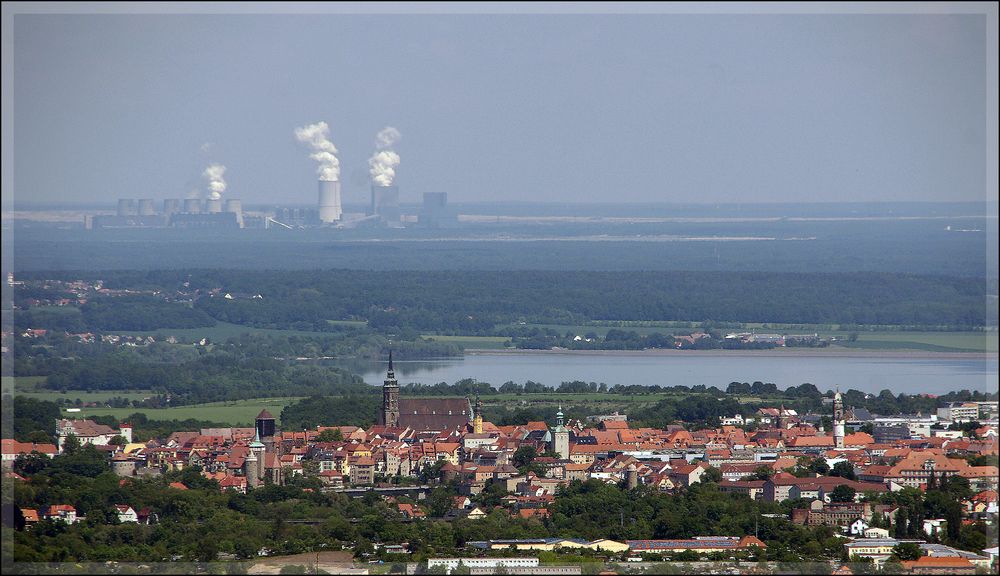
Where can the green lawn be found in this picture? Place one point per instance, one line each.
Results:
(239, 412)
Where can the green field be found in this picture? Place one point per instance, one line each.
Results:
(239, 412)
(13, 384)
(875, 340)
(480, 342)
(930, 341)
(86, 395)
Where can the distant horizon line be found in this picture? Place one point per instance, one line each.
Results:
(21, 205)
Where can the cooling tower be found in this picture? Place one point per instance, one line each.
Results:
(192, 206)
(171, 206)
(146, 207)
(213, 206)
(329, 201)
(385, 202)
(126, 207)
(236, 207)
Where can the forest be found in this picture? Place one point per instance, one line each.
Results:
(916, 245)
(486, 303)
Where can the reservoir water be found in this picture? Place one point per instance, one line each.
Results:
(868, 373)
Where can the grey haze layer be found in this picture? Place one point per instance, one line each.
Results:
(563, 108)
(936, 239)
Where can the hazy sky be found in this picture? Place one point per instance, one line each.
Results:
(509, 107)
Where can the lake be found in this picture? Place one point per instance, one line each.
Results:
(869, 373)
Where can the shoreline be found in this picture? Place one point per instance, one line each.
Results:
(796, 352)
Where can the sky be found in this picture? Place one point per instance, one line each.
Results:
(555, 107)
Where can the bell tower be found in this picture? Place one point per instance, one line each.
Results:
(390, 398)
(477, 422)
(838, 420)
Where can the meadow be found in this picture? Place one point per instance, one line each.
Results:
(236, 413)
(476, 342)
(978, 341)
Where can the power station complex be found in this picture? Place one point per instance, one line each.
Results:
(383, 210)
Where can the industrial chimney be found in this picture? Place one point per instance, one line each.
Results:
(329, 201)
(192, 206)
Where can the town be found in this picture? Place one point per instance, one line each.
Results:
(436, 460)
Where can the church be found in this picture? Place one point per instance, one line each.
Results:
(421, 414)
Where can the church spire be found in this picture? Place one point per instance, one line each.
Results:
(390, 398)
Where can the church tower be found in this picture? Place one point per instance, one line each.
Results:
(390, 398)
(477, 422)
(255, 462)
(838, 420)
(560, 437)
(782, 421)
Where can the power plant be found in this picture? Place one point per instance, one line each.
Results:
(126, 207)
(213, 205)
(385, 204)
(171, 206)
(146, 207)
(142, 214)
(329, 201)
(383, 208)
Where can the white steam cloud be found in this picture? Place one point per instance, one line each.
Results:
(383, 163)
(324, 152)
(216, 183)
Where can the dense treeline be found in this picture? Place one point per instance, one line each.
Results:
(141, 313)
(208, 378)
(114, 314)
(246, 366)
(353, 410)
(477, 302)
(914, 246)
(29, 419)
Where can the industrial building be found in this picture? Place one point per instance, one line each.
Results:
(385, 204)
(191, 213)
(435, 212)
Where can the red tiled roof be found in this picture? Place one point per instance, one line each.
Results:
(433, 413)
(11, 446)
(937, 562)
(87, 428)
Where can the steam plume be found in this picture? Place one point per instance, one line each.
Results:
(324, 152)
(216, 183)
(383, 163)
